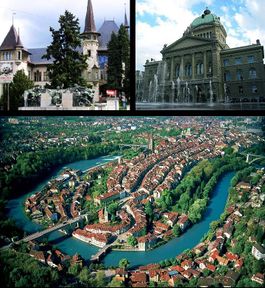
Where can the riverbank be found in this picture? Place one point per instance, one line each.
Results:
(70, 246)
(186, 241)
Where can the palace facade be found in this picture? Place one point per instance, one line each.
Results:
(200, 65)
(14, 56)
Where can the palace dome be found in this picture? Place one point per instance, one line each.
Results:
(206, 18)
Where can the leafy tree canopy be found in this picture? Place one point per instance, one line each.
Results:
(18, 86)
(68, 62)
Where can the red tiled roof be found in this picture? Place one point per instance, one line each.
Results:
(138, 277)
(177, 268)
(210, 267)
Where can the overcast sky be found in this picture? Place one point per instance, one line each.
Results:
(34, 17)
(164, 21)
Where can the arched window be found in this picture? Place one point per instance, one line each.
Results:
(252, 73)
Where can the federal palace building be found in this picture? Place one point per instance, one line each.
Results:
(202, 61)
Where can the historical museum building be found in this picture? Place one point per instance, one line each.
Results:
(200, 67)
(14, 56)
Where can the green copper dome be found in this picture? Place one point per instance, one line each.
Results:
(206, 18)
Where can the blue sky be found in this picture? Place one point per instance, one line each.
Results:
(34, 17)
(160, 22)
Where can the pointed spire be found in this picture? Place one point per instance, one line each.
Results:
(90, 21)
(19, 43)
(10, 41)
(126, 24)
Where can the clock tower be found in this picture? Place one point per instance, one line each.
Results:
(90, 46)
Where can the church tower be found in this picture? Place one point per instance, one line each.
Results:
(90, 46)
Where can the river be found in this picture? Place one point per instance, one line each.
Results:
(174, 247)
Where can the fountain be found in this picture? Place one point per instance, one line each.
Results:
(178, 87)
(187, 93)
(173, 90)
(163, 80)
(150, 90)
(197, 90)
(211, 93)
(226, 96)
(155, 88)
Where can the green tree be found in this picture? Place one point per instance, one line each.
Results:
(115, 283)
(132, 240)
(119, 61)
(176, 230)
(124, 263)
(113, 208)
(124, 43)
(18, 86)
(258, 266)
(74, 269)
(196, 210)
(114, 63)
(100, 279)
(68, 63)
(84, 275)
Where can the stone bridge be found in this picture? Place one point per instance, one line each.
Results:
(61, 226)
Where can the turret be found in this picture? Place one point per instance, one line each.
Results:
(90, 46)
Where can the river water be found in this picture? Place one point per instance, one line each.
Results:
(174, 247)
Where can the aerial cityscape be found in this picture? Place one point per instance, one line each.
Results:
(132, 201)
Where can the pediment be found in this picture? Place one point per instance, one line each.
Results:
(186, 42)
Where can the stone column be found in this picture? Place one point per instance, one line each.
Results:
(193, 66)
(204, 65)
(182, 67)
(172, 69)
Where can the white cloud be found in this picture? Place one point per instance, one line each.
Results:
(150, 39)
(250, 19)
(34, 17)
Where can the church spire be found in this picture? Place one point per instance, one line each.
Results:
(126, 24)
(90, 21)
(90, 31)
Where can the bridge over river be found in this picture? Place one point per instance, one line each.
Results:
(49, 230)
(100, 253)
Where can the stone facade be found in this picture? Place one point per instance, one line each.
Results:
(94, 44)
(200, 67)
